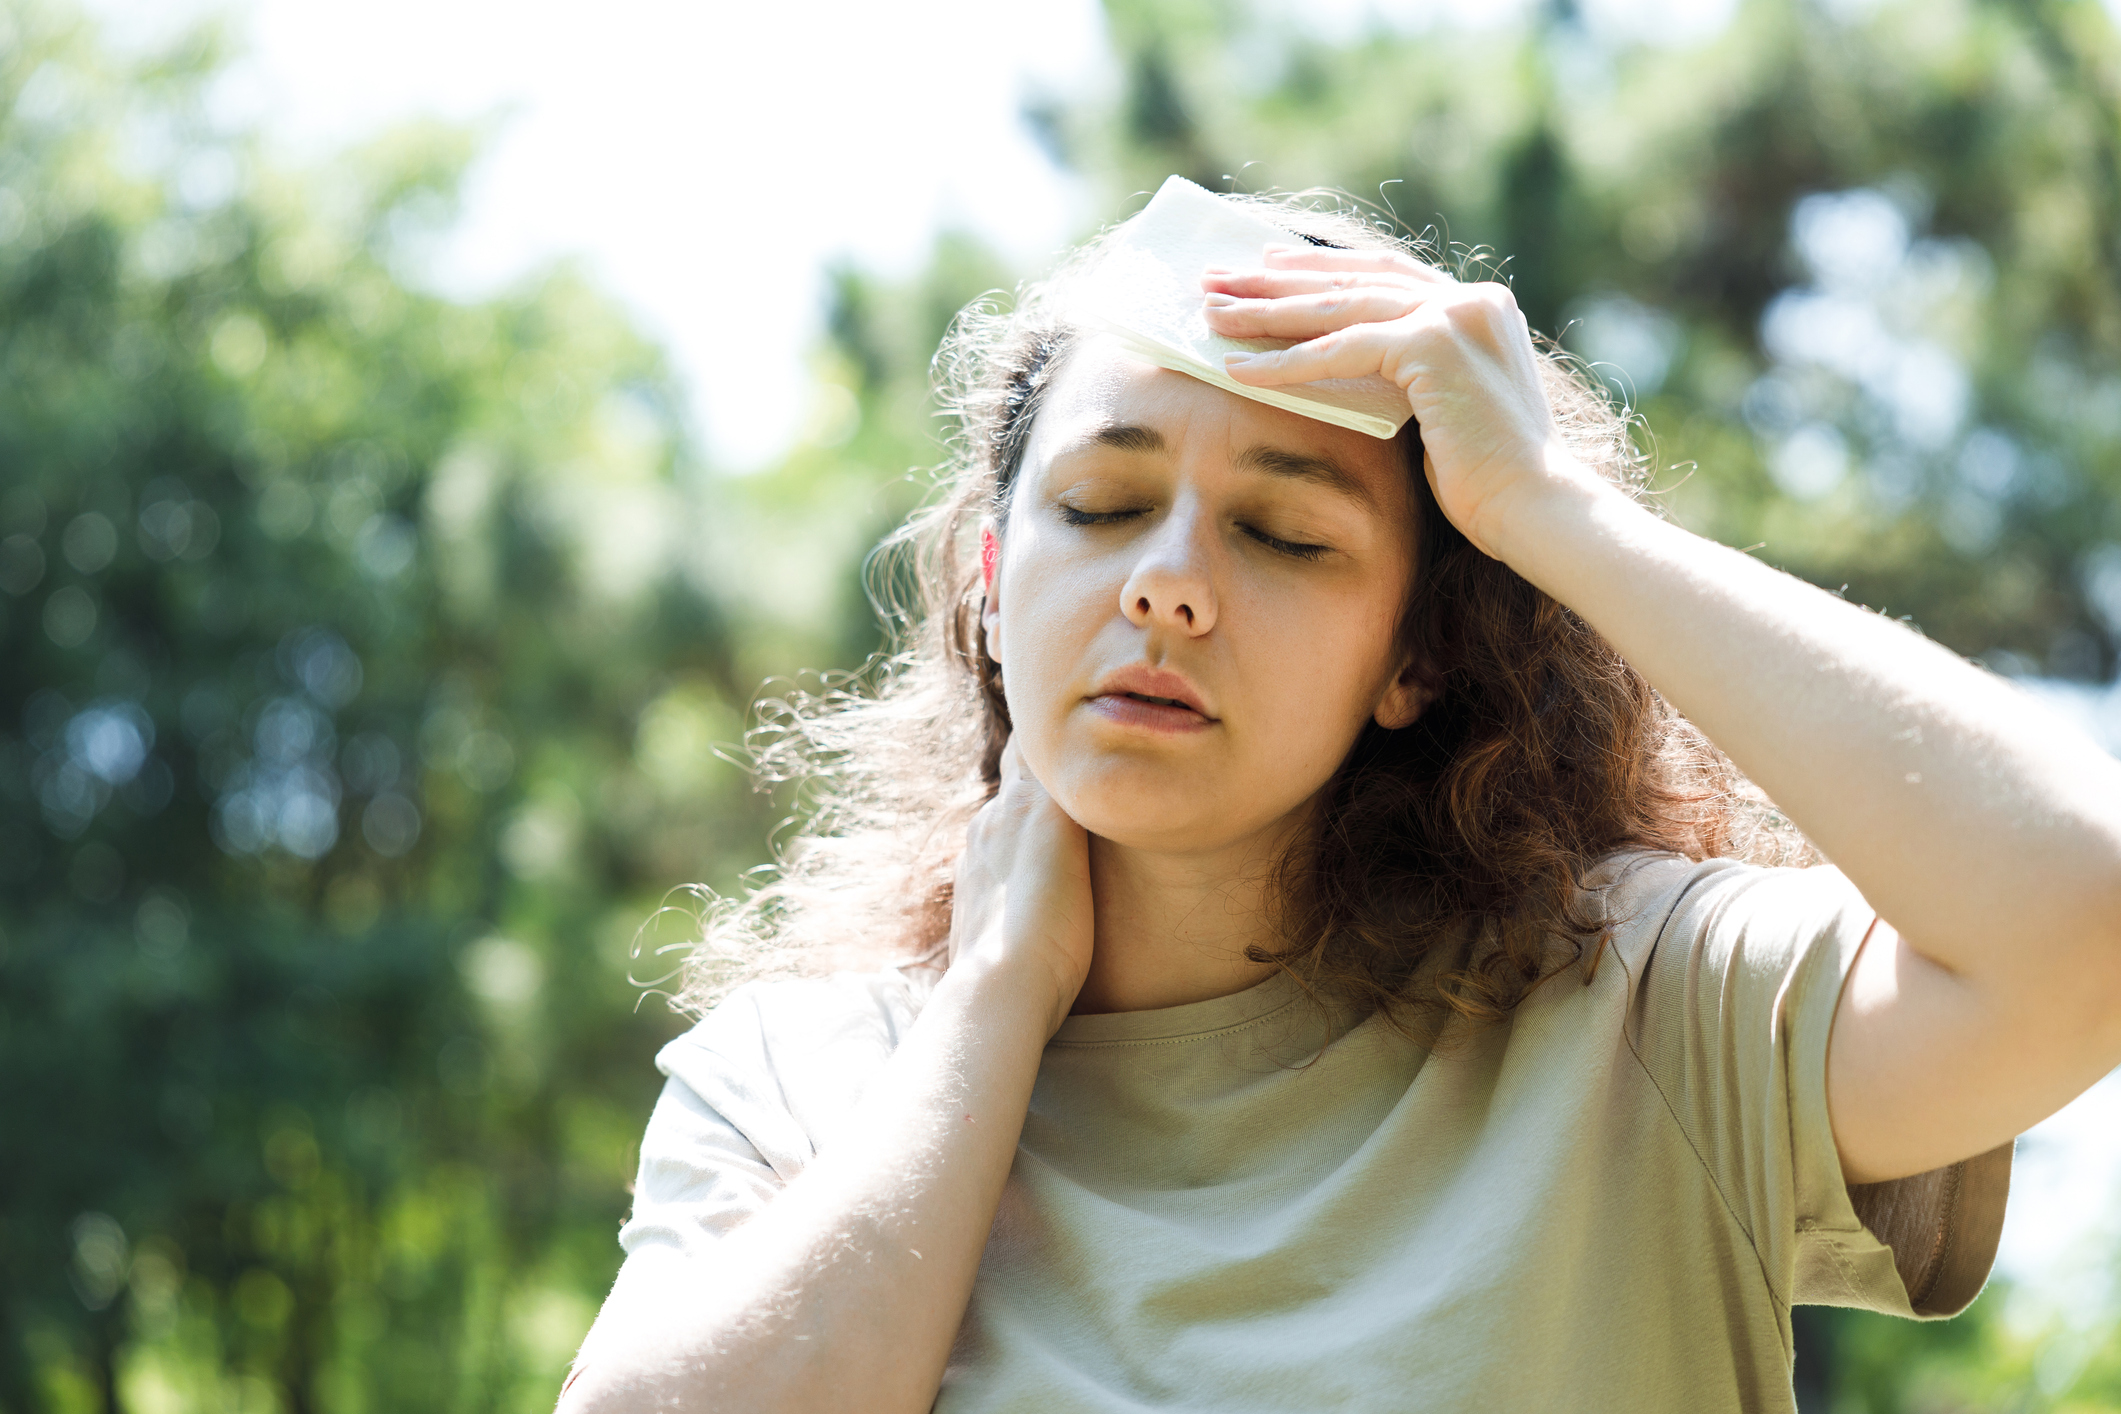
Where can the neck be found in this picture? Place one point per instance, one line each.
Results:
(1174, 928)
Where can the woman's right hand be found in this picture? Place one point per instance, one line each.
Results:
(848, 1289)
(1020, 906)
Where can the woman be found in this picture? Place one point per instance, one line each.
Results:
(1323, 978)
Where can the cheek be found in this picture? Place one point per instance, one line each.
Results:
(1052, 607)
(1315, 668)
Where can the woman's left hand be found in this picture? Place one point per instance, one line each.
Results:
(1462, 352)
(1989, 836)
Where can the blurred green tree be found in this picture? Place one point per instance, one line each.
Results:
(366, 656)
(365, 653)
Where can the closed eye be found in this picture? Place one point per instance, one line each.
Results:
(1071, 516)
(1285, 547)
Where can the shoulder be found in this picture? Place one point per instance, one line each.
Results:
(802, 1014)
(1656, 903)
(787, 1061)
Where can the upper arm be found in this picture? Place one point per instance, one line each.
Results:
(1927, 1067)
(700, 1178)
(1737, 1017)
(749, 1090)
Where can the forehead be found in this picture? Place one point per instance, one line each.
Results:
(1100, 386)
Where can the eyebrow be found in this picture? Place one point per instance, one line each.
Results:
(1126, 437)
(1273, 461)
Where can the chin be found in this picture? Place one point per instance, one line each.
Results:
(1154, 809)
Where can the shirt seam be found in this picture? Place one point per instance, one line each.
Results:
(1941, 1247)
(1181, 1038)
(1672, 1113)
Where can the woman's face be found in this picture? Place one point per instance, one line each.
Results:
(1195, 603)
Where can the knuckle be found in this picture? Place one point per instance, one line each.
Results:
(1475, 306)
(1496, 295)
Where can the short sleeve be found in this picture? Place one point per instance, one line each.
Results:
(1733, 1011)
(699, 1177)
(752, 1091)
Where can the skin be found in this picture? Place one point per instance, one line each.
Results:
(1120, 864)
(1260, 555)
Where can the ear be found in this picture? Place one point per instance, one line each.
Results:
(990, 573)
(1405, 698)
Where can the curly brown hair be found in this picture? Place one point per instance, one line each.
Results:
(1447, 876)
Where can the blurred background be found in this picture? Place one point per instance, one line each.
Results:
(424, 427)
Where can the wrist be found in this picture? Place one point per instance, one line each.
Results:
(1559, 505)
(1008, 991)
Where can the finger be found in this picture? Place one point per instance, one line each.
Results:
(1277, 284)
(1307, 316)
(1354, 352)
(1318, 257)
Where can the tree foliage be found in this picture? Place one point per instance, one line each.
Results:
(1861, 275)
(365, 665)
(367, 653)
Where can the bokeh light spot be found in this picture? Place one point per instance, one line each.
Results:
(89, 542)
(69, 616)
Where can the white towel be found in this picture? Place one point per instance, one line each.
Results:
(1146, 290)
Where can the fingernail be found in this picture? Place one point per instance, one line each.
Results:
(1217, 301)
(1237, 360)
(1216, 270)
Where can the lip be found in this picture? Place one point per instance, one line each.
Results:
(1119, 697)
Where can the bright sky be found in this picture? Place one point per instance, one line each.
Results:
(675, 147)
(678, 147)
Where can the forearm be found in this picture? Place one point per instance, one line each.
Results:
(847, 1291)
(1990, 839)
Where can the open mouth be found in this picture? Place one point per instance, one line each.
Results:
(1159, 699)
(1146, 711)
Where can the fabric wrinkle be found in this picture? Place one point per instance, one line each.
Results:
(1218, 1207)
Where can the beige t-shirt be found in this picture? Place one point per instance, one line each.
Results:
(1608, 1203)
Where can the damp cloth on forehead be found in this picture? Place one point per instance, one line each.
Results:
(1145, 289)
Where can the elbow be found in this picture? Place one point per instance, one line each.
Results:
(573, 1400)
(607, 1386)
(603, 1384)
(581, 1395)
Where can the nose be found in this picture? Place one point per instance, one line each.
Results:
(1171, 585)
